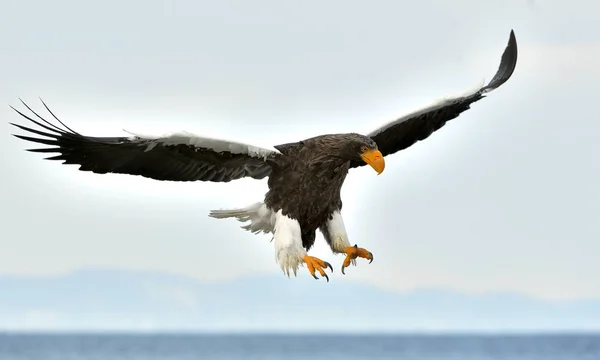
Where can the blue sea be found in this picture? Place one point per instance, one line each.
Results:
(313, 347)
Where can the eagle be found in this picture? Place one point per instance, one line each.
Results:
(305, 178)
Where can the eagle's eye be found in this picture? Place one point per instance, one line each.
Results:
(364, 148)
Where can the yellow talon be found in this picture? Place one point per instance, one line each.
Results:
(352, 252)
(317, 264)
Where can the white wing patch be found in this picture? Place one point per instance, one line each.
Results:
(289, 252)
(337, 233)
(446, 101)
(217, 145)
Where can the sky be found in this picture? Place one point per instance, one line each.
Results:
(503, 198)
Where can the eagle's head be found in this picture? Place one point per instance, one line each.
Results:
(346, 147)
(368, 152)
(363, 148)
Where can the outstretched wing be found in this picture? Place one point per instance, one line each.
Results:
(175, 157)
(419, 125)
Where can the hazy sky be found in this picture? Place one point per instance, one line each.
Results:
(504, 198)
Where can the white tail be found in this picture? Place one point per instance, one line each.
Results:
(289, 252)
(261, 218)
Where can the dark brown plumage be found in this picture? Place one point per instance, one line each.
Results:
(305, 177)
(306, 182)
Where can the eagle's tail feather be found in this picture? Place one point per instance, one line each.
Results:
(261, 218)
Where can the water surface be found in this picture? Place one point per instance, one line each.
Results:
(314, 347)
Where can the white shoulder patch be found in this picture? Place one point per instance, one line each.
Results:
(217, 145)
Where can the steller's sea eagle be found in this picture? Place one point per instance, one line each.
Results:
(304, 178)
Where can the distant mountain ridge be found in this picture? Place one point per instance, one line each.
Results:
(115, 300)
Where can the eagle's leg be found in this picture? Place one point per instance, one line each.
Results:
(289, 250)
(317, 264)
(353, 252)
(335, 234)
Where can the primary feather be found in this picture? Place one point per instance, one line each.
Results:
(418, 125)
(174, 157)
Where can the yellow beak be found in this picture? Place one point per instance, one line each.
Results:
(375, 159)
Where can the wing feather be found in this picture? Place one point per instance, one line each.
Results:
(419, 125)
(174, 157)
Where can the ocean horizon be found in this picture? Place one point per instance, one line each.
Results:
(330, 346)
